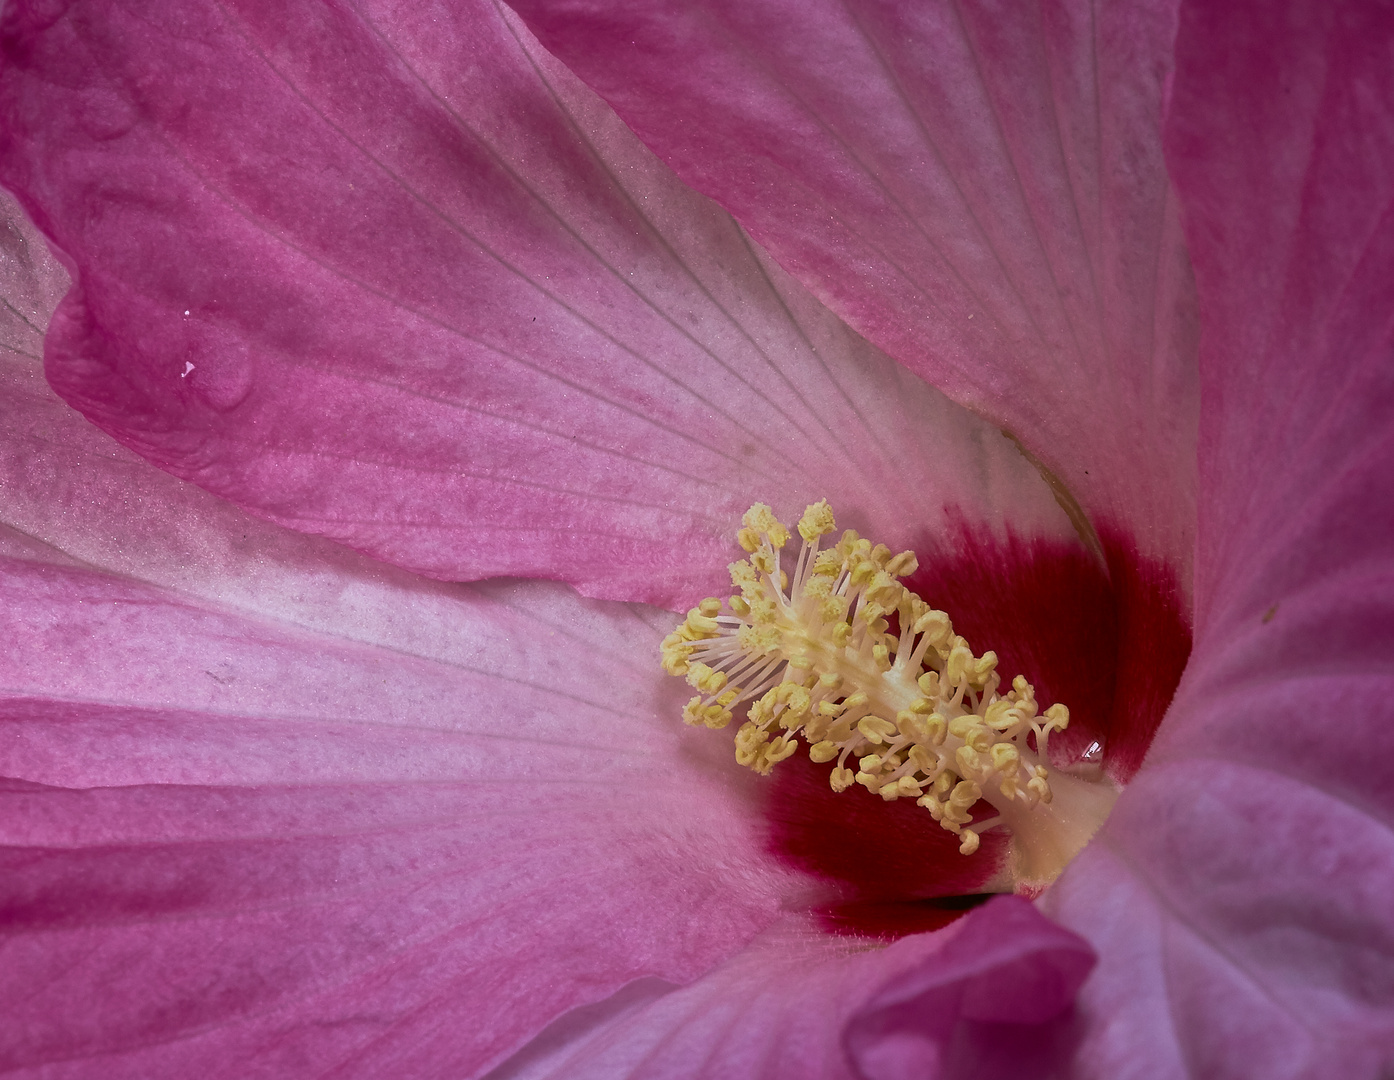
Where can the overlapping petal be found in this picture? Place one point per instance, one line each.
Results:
(1247, 871)
(233, 845)
(270, 806)
(390, 274)
(990, 997)
(293, 770)
(977, 188)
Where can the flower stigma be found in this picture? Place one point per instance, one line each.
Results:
(914, 714)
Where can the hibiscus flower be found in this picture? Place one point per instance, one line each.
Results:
(393, 279)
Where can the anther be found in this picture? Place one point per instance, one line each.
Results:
(816, 663)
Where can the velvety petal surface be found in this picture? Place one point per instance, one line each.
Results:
(233, 848)
(390, 274)
(1240, 895)
(271, 808)
(977, 188)
(31, 284)
(989, 998)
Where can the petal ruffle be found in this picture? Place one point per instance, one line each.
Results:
(1253, 857)
(981, 192)
(393, 276)
(987, 998)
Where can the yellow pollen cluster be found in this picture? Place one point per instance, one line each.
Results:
(908, 715)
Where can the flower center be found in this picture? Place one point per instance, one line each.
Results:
(908, 712)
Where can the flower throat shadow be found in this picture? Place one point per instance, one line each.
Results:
(1109, 643)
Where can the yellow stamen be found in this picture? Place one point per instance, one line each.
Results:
(811, 652)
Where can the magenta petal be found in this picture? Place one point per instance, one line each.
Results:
(394, 277)
(1296, 361)
(963, 1003)
(271, 808)
(980, 192)
(1239, 897)
(775, 1011)
(993, 1003)
(31, 284)
(983, 195)
(235, 846)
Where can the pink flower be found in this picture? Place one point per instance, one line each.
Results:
(393, 279)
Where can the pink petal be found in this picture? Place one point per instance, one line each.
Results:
(63, 479)
(983, 999)
(376, 837)
(273, 808)
(1239, 896)
(31, 283)
(995, 1002)
(980, 193)
(235, 845)
(983, 197)
(308, 835)
(396, 278)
